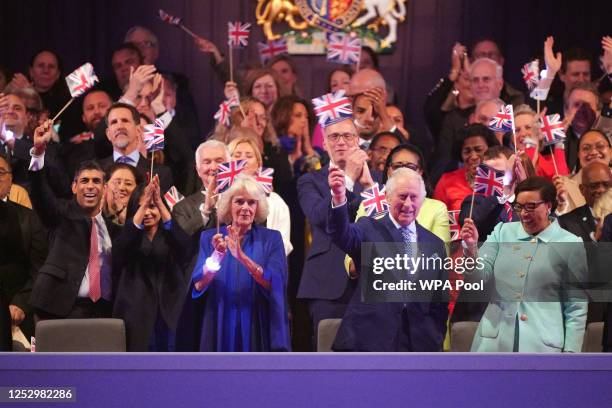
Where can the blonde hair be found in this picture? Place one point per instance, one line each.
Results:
(242, 183)
(248, 140)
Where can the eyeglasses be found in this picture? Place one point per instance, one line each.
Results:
(600, 147)
(599, 184)
(528, 207)
(335, 137)
(4, 173)
(399, 165)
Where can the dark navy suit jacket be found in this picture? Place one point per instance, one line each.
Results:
(324, 275)
(376, 326)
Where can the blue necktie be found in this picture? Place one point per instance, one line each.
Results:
(406, 234)
(125, 160)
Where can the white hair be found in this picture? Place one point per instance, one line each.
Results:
(497, 101)
(242, 183)
(132, 30)
(499, 71)
(211, 144)
(404, 172)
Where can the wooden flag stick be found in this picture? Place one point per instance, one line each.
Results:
(358, 62)
(472, 203)
(552, 152)
(188, 31)
(538, 107)
(231, 64)
(152, 160)
(63, 109)
(513, 130)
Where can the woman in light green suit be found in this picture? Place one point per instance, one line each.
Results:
(537, 267)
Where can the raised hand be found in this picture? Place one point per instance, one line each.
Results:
(138, 78)
(355, 161)
(366, 179)
(232, 240)
(20, 81)
(378, 96)
(606, 59)
(42, 136)
(218, 243)
(207, 46)
(458, 56)
(337, 184)
(553, 62)
(158, 90)
(469, 233)
(231, 90)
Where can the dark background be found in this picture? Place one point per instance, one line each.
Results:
(88, 30)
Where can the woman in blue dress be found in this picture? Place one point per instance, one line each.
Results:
(241, 276)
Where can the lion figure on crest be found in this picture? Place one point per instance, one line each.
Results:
(388, 12)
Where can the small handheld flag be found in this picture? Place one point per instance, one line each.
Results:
(227, 172)
(173, 197)
(223, 114)
(168, 18)
(552, 129)
(332, 108)
(489, 181)
(503, 121)
(374, 200)
(154, 136)
(238, 33)
(531, 74)
(343, 48)
(264, 177)
(81, 79)
(271, 49)
(455, 228)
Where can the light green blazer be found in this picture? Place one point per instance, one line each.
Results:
(528, 273)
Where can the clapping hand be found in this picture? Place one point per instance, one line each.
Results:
(337, 185)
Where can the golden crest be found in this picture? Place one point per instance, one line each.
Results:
(269, 12)
(330, 15)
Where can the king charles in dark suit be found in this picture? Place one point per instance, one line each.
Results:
(386, 326)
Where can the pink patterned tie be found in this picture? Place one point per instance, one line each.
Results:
(94, 264)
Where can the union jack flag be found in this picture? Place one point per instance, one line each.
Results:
(223, 114)
(531, 74)
(503, 120)
(488, 181)
(552, 129)
(173, 197)
(81, 79)
(168, 18)
(264, 177)
(332, 107)
(374, 200)
(271, 49)
(453, 222)
(238, 33)
(154, 136)
(227, 172)
(343, 48)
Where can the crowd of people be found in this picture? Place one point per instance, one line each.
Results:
(87, 229)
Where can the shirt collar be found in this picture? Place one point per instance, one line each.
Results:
(135, 155)
(411, 227)
(546, 235)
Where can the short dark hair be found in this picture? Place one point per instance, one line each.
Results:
(282, 57)
(123, 166)
(582, 86)
(117, 105)
(602, 134)
(474, 130)
(129, 47)
(412, 149)
(543, 185)
(60, 64)
(344, 68)
(380, 135)
(88, 165)
(481, 39)
(496, 151)
(282, 110)
(574, 54)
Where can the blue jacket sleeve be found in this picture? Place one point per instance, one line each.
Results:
(345, 235)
